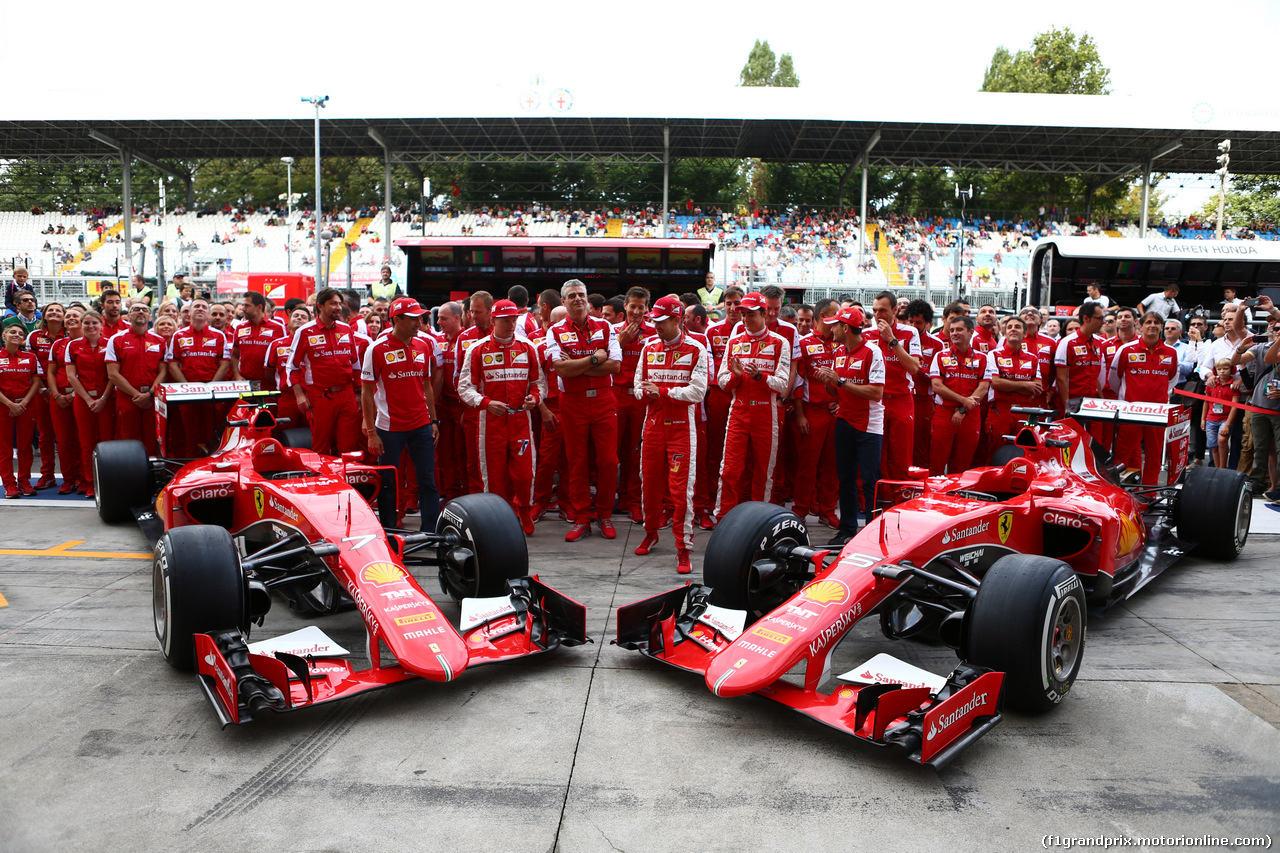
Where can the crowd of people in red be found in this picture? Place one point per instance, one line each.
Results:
(671, 411)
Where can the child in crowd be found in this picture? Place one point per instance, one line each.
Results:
(1217, 417)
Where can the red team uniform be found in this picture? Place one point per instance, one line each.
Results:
(91, 427)
(1021, 366)
(816, 487)
(899, 403)
(138, 358)
(754, 429)
(323, 360)
(952, 446)
(631, 416)
(923, 393)
(1144, 374)
(17, 370)
(199, 354)
(64, 420)
(41, 343)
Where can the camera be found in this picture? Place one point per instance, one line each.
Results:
(1251, 303)
(1261, 338)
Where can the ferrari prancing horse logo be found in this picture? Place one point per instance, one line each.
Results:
(259, 501)
(1004, 526)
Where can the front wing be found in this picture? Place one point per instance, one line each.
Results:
(931, 728)
(240, 684)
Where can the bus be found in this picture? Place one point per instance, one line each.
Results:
(440, 269)
(1128, 270)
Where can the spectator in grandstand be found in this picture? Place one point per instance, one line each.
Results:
(1096, 295)
(18, 284)
(1165, 304)
(19, 387)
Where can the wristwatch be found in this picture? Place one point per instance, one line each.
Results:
(841, 380)
(595, 360)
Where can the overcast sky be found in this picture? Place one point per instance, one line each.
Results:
(272, 52)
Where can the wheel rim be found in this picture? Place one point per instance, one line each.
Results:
(1244, 514)
(764, 599)
(1067, 639)
(456, 581)
(160, 605)
(97, 498)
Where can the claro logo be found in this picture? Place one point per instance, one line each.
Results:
(948, 720)
(1061, 519)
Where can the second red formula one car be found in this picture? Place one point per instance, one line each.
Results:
(1001, 563)
(257, 518)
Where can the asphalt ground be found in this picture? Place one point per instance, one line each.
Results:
(1171, 730)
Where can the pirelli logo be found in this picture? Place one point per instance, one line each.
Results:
(780, 639)
(415, 619)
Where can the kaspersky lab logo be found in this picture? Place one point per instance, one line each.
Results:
(955, 534)
(943, 723)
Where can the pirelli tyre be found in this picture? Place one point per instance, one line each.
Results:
(747, 534)
(1028, 621)
(486, 547)
(1215, 506)
(121, 479)
(197, 587)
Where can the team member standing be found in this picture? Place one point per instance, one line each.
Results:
(671, 379)
(1078, 362)
(250, 341)
(551, 451)
(959, 388)
(41, 343)
(586, 356)
(87, 374)
(398, 405)
(631, 333)
(135, 366)
(113, 320)
(757, 371)
(817, 487)
(900, 346)
(277, 362)
(451, 461)
(502, 381)
(858, 379)
(1041, 346)
(1144, 371)
(197, 353)
(920, 315)
(62, 403)
(320, 366)
(19, 387)
(717, 399)
(482, 326)
(1014, 374)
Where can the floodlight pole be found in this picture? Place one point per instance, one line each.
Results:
(865, 157)
(964, 196)
(321, 274)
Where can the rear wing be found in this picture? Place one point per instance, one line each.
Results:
(1173, 418)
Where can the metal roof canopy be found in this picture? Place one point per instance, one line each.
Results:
(1094, 135)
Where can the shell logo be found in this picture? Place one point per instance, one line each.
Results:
(1130, 533)
(826, 592)
(845, 693)
(382, 573)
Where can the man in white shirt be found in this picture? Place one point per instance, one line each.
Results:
(1095, 295)
(1165, 304)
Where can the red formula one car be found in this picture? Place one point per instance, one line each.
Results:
(1001, 563)
(257, 518)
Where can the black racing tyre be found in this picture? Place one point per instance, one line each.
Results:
(121, 479)
(748, 532)
(299, 438)
(197, 587)
(1028, 621)
(1214, 509)
(1004, 453)
(485, 525)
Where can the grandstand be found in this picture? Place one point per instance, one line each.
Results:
(815, 250)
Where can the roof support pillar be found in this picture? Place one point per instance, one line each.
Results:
(666, 177)
(865, 158)
(1167, 148)
(386, 185)
(126, 172)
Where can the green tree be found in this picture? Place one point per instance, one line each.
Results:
(763, 68)
(1058, 63)
(1251, 201)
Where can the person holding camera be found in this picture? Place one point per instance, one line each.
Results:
(1258, 356)
(1235, 335)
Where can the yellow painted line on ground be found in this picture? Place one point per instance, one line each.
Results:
(63, 550)
(4, 602)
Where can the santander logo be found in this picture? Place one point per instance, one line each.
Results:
(946, 721)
